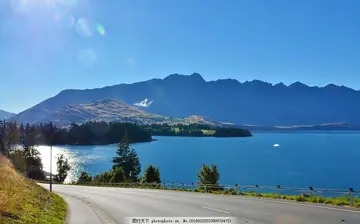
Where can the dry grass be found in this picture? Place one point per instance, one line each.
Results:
(23, 201)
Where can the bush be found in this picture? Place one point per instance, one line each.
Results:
(35, 173)
(18, 160)
(84, 178)
(117, 175)
(313, 199)
(28, 162)
(321, 200)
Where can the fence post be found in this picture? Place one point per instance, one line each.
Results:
(351, 191)
(236, 188)
(311, 191)
(257, 191)
(278, 191)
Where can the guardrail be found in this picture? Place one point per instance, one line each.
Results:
(257, 190)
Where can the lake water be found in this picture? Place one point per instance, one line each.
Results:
(319, 159)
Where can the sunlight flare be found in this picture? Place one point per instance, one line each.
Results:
(100, 29)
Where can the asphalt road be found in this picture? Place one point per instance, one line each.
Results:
(114, 205)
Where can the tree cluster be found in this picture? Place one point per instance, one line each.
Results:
(18, 144)
(232, 132)
(126, 168)
(196, 130)
(90, 133)
(100, 133)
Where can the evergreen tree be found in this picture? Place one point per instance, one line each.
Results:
(84, 178)
(33, 163)
(151, 175)
(32, 157)
(127, 159)
(209, 175)
(10, 137)
(63, 167)
(117, 175)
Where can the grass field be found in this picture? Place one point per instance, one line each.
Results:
(23, 201)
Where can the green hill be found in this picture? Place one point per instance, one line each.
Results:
(23, 201)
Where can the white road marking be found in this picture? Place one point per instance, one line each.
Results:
(214, 209)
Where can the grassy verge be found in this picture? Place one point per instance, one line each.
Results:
(337, 201)
(23, 201)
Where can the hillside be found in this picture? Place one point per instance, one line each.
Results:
(5, 115)
(110, 110)
(23, 201)
(248, 103)
(102, 110)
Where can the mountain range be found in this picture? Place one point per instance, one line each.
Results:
(226, 100)
(5, 115)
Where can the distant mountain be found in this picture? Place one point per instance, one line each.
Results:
(110, 110)
(227, 100)
(5, 115)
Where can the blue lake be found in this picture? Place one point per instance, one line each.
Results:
(319, 159)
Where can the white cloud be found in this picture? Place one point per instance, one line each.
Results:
(83, 28)
(144, 103)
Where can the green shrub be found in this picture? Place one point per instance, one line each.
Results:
(321, 199)
(84, 178)
(313, 199)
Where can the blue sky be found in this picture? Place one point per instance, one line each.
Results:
(50, 45)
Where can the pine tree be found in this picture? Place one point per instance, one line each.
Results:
(209, 175)
(127, 159)
(151, 175)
